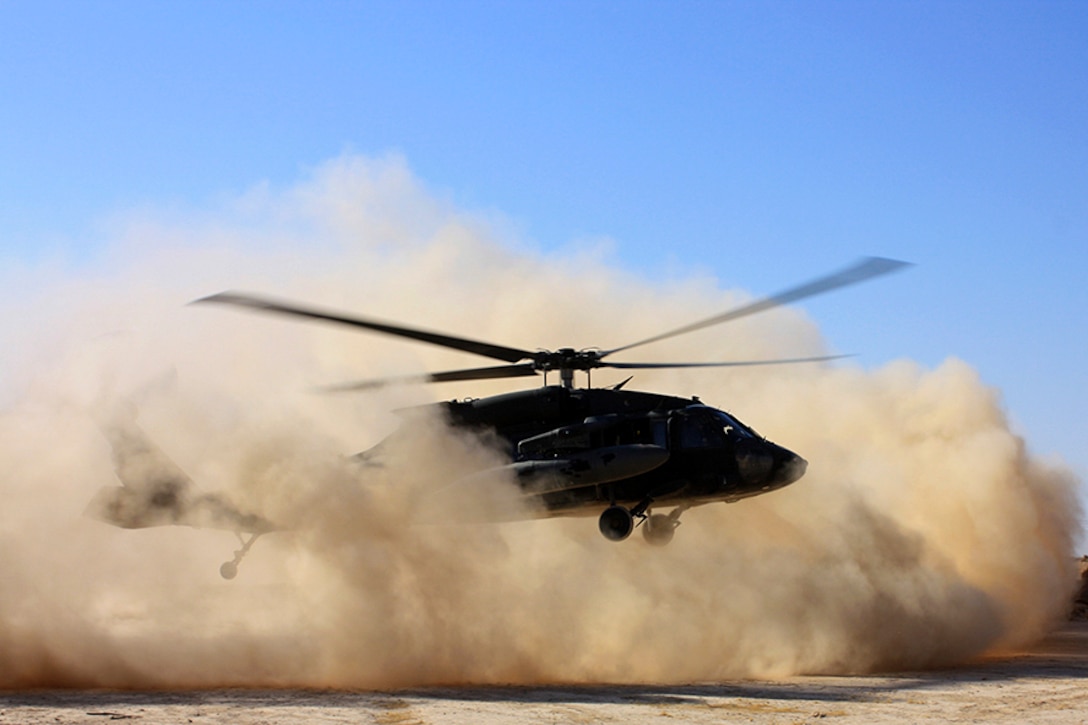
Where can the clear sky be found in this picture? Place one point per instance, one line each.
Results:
(764, 142)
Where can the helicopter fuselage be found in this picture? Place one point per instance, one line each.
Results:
(580, 451)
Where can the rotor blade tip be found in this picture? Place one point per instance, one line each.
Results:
(885, 264)
(217, 297)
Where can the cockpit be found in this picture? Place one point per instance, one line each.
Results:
(733, 428)
(706, 427)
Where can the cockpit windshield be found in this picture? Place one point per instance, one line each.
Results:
(705, 427)
(733, 427)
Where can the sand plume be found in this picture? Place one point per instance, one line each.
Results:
(924, 533)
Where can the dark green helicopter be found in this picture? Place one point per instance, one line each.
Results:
(618, 454)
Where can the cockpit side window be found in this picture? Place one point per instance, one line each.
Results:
(698, 432)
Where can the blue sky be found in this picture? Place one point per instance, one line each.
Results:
(764, 143)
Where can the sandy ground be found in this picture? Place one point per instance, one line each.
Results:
(1045, 684)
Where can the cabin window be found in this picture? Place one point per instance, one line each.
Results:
(661, 433)
(636, 431)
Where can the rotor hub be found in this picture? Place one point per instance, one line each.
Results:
(566, 358)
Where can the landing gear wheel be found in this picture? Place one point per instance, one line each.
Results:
(229, 570)
(616, 523)
(659, 528)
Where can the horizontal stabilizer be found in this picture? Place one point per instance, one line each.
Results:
(156, 492)
(131, 508)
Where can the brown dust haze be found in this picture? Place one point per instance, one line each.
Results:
(924, 533)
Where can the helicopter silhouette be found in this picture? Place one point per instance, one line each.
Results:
(624, 456)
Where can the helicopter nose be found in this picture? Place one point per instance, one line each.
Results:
(789, 467)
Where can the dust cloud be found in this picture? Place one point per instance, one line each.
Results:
(924, 534)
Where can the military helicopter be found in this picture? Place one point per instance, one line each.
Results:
(621, 455)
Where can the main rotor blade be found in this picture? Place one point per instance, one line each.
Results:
(265, 304)
(864, 269)
(501, 371)
(736, 364)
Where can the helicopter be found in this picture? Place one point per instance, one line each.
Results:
(621, 455)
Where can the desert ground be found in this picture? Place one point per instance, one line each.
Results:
(1045, 684)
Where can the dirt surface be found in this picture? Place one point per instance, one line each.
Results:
(1045, 684)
